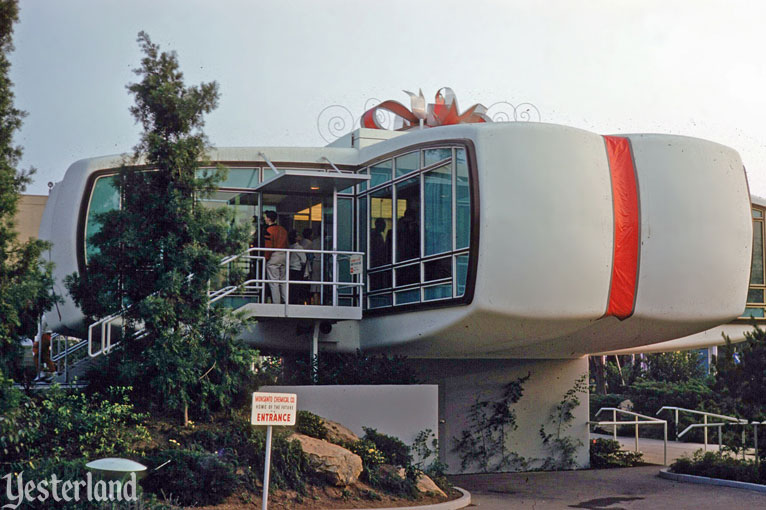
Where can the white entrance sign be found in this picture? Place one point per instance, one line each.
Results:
(272, 409)
(355, 264)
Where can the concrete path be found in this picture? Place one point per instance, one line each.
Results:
(653, 448)
(600, 489)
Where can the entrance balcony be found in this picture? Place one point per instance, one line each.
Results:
(333, 291)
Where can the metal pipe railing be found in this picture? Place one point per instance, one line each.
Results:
(704, 425)
(337, 256)
(645, 420)
(254, 284)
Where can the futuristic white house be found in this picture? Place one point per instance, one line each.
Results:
(525, 245)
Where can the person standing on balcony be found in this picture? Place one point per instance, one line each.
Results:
(313, 269)
(42, 352)
(297, 268)
(275, 237)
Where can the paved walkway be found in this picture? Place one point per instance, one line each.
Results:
(653, 448)
(607, 489)
(601, 489)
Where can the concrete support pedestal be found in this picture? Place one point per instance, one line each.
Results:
(462, 381)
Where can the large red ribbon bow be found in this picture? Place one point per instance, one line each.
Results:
(442, 112)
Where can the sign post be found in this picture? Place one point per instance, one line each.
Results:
(272, 409)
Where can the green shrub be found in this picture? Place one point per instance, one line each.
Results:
(371, 456)
(62, 425)
(191, 477)
(290, 468)
(720, 465)
(72, 425)
(311, 425)
(350, 368)
(606, 453)
(395, 451)
(649, 396)
(390, 481)
(597, 401)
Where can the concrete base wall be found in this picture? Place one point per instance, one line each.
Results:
(462, 381)
(397, 410)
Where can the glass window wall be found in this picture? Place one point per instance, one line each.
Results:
(438, 210)
(105, 197)
(417, 228)
(757, 291)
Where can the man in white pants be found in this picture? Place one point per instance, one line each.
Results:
(276, 237)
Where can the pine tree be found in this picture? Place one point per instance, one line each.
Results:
(157, 253)
(25, 281)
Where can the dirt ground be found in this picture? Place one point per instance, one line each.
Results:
(358, 495)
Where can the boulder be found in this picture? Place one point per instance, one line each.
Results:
(337, 433)
(339, 466)
(424, 483)
(625, 405)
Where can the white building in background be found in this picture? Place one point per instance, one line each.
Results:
(487, 250)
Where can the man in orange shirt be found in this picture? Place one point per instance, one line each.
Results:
(276, 237)
(45, 346)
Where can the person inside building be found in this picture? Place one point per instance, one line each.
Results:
(297, 268)
(275, 236)
(379, 251)
(408, 235)
(42, 352)
(312, 267)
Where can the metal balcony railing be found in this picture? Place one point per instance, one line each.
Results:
(243, 281)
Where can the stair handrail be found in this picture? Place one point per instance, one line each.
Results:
(705, 424)
(645, 420)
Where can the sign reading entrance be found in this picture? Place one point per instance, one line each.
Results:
(274, 409)
(355, 264)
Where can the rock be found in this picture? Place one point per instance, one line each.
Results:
(337, 433)
(338, 465)
(625, 405)
(388, 469)
(425, 484)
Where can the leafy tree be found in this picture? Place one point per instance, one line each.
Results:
(740, 381)
(157, 253)
(25, 282)
(675, 367)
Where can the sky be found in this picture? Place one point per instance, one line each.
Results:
(690, 67)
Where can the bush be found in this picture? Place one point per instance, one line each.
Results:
(237, 439)
(60, 425)
(372, 458)
(72, 425)
(597, 401)
(395, 451)
(350, 368)
(191, 478)
(290, 468)
(310, 424)
(606, 453)
(649, 396)
(718, 465)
